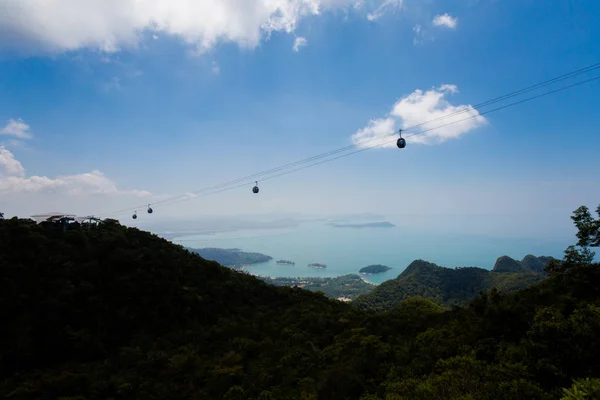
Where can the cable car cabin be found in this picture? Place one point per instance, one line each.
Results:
(255, 188)
(150, 211)
(134, 215)
(401, 143)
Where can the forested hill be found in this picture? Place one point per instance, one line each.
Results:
(530, 263)
(117, 313)
(231, 257)
(449, 286)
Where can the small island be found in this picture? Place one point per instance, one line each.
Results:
(286, 262)
(374, 269)
(383, 224)
(317, 265)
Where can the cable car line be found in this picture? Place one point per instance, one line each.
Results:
(303, 161)
(245, 184)
(518, 92)
(349, 147)
(388, 142)
(414, 134)
(521, 91)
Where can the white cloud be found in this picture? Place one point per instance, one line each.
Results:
(299, 42)
(376, 132)
(418, 108)
(417, 29)
(422, 35)
(13, 180)
(215, 68)
(383, 7)
(448, 88)
(15, 143)
(445, 20)
(8, 165)
(109, 25)
(16, 128)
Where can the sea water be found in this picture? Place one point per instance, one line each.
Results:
(347, 250)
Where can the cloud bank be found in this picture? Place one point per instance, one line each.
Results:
(109, 25)
(418, 108)
(16, 128)
(13, 180)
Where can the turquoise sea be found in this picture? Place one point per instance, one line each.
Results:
(346, 250)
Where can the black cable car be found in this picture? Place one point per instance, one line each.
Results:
(149, 209)
(134, 215)
(255, 188)
(401, 143)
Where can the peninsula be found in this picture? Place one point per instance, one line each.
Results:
(233, 258)
(383, 224)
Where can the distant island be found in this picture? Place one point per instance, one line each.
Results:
(383, 224)
(374, 269)
(233, 258)
(286, 262)
(317, 265)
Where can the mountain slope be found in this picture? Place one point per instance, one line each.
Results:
(104, 302)
(447, 286)
(507, 264)
(528, 264)
(116, 313)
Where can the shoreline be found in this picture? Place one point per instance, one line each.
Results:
(245, 271)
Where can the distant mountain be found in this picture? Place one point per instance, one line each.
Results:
(449, 286)
(231, 257)
(383, 224)
(530, 263)
(507, 264)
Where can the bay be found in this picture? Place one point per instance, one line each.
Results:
(347, 250)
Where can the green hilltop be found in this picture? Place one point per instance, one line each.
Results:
(450, 286)
(112, 312)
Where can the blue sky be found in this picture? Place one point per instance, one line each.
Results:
(164, 100)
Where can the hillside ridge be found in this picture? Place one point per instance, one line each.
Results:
(453, 286)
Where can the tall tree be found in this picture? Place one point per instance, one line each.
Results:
(589, 228)
(588, 235)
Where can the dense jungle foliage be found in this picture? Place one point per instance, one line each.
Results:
(348, 286)
(116, 313)
(454, 286)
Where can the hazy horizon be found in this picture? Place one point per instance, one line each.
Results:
(122, 112)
